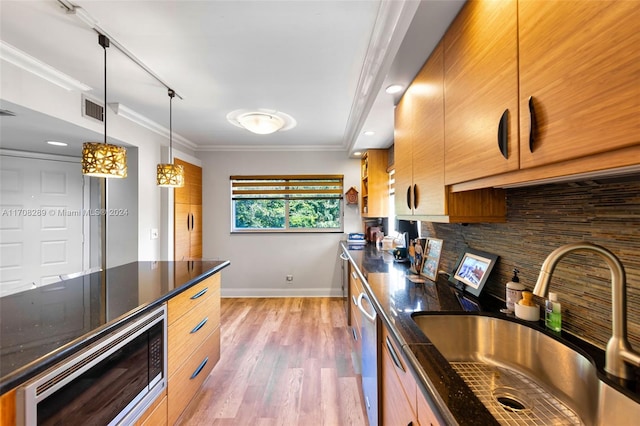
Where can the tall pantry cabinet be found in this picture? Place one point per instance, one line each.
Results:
(187, 214)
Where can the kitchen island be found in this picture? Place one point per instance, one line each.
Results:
(396, 298)
(46, 325)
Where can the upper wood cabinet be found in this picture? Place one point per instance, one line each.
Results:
(419, 139)
(187, 214)
(375, 183)
(481, 91)
(421, 192)
(580, 63)
(574, 68)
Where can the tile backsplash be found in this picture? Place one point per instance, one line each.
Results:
(542, 218)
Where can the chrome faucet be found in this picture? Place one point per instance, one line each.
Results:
(619, 352)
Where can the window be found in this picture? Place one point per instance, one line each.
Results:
(301, 203)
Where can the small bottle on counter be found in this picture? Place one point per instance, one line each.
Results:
(514, 291)
(553, 313)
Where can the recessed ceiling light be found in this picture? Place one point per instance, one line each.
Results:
(358, 153)
(56, 143)
(369, 133)
(393, 89)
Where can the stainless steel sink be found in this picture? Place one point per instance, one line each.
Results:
(524, 376)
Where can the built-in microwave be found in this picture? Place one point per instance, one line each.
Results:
(111, 382)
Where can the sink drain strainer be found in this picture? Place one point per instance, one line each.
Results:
(511, 399)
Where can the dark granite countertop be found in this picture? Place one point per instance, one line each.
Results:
(40, 327)
(396, 298)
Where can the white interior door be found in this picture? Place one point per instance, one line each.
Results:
(41, 221)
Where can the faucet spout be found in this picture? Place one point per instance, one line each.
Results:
(618, 353)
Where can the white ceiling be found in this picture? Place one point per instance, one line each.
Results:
(325, 63)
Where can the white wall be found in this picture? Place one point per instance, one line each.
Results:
(25, 89)
(260, 262)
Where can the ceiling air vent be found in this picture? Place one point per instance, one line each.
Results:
(92, 109)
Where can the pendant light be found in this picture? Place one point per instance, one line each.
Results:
(101, 159)
(170, 175)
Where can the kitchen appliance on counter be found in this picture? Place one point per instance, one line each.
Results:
(111, 382)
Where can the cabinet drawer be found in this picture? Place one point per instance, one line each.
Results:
(396, 407)
(400, 368)
(187, 380)
(156, 415)
(188, 299)
(191, 329)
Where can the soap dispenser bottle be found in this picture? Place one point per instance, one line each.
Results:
(553, 313)
(514, 291)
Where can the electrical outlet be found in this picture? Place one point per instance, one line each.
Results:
(289, 278)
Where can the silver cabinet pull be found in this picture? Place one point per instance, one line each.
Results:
(199, 326)
(200, 293)
(394, 355)
(199, 369)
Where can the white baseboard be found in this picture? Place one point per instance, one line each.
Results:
(280, 292)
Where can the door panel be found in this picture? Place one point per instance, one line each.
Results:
(41, 225)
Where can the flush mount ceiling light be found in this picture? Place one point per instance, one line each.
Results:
(104, 159)
(56, 143)
(170, 175)
(261, 121)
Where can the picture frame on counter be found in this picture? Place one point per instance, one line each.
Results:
(417, 250)
(472, 270)
(431, 259)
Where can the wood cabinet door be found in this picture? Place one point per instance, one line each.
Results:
(188, 214)
(181, 234)
(428, 145)
(403, 152)
(396, 408)
(481, 84)
(195, 241)
(580, 62)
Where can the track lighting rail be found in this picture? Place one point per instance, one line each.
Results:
(82, 14)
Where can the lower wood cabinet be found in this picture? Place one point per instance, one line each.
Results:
(398, 386)
(425, 413)
(156, 415)
(8, 408)
(193, 342)
(402, 401)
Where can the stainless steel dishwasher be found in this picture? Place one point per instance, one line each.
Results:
(369, 331)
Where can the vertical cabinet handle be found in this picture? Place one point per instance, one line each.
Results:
(192, 227)
(534, 124)
(415, 196)
(188, 223)
(409, 197)
(503, 134)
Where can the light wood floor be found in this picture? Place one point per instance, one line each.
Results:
(283, 362)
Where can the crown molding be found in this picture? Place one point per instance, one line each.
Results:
(124, 111)
(28, 63)
(391, 25)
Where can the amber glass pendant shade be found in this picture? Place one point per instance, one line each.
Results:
(170, 175)
(104, 160)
